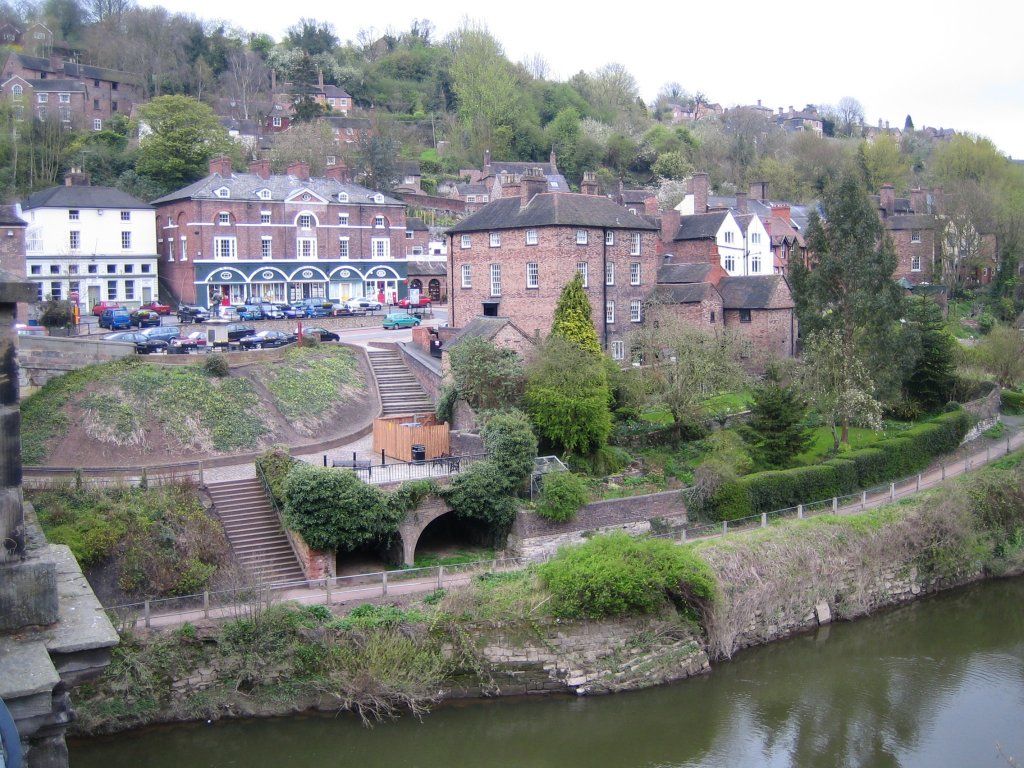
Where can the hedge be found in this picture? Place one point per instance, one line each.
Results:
(1013, 402)
(887, 460)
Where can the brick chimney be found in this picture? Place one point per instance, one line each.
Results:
(919, 200)
(221, 165)
(299, 170)
(669, 225)
(553, 159)
(887, 199)
(320, 78)
(261, 168)
(339, 173)
(589, 184)
(782, 212)
(76, 177)
(508, 185)
(651, 205)
(741, 202)
(759, 190)
(699, 187)
(487, 157)
(534, 183)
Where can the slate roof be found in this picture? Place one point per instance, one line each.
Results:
(9, 217)
(519, 168)
(751, 292)
(243, 186)
(415, 223)
(480, 327)
(552, 209)
(900, 204)
(408, 168)
(52, 86)
(635, 195)
(472, 189)
(910, 221)
(691, 293)
(417, 268)
(83, 197)
(684, 273)
(99, 73)
(702, 226)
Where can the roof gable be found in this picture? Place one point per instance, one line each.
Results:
(304, 195)
(701, 226)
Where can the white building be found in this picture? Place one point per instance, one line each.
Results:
(96, 242)
(744, 247)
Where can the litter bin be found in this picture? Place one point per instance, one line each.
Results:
(419, 453)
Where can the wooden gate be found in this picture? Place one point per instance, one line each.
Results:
(396, 435)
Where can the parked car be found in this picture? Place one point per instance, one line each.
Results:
(272, 311)
(292, 311)
(364, 305)
(190, 313)
(238, 331)
(30, 330)
(313, 310)
(250, 312)
(116, 319)
(103, 306)
(165, 332)
(400, 320)
(318, 302)
(321, 334)
(143, 344)
(194, 341)
(422, 303)
(266, 339)
(156, 306)
(144, 318)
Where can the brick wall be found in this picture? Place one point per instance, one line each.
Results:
(693, 251)
(906, 250)
(770, 332)
(707, 315)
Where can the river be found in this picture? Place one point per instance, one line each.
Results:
(936, 683)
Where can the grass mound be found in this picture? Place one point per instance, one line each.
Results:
(310, 381)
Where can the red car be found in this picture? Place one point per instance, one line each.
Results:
(97, 309)
(423, 303)
(195, 340)
(156, 306)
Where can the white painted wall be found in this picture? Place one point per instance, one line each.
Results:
(49, 232)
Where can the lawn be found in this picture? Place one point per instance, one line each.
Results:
(719, 405)
(958, 311)
(822, 442)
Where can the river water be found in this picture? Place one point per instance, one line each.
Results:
(937, 683)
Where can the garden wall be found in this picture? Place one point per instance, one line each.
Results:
(986, 411)
(41, 358)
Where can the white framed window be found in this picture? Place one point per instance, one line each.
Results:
(380, 248)
(755, 237)
(111, 269)
(531, 237)
(470, 198)
(342, 247)
(609, 238)
(35, 269)
(42, 98)
(93, 269)
(72, 269)
(126, 240)
(730, 262)
(16, 91)
(342, 219)
(266, 247)
(409, 234)
(97, 124)
(634, 243)
(467, 276)
(126, 215)
(305, 247)
(495, 279)
(635, 311)
(276, 122)
(264, 217)
(223, 218)
(55, 293)
(915, 235)
(532, 275)
(609, 311)
(144, 268)
(581, 237)
(331, 160)
(170, 249)
(64, 98)
(343, 198)
(111, 290)
(584, 268)
(466, 241)
(263, 194)
(74, 239)
(305, 221)
(728, 236)
(609, 273)
(495, 239)
(634, 273)
(184, 249)
(378, 222)
(222, 192)
(73, 215)
(618, 350)
(915, 263)
(224, 248)
(55, 269)
(755, 264)
(129, 290)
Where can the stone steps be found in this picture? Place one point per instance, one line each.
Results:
(399, 390)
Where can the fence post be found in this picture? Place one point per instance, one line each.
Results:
(918, 488)
(440, 576)
(206, 604)
(764, 519)
(943, 470)
(145, 612)
(1007, 445)
(799, 511)
(892, 491)
(682, 535)
(383, 583)
(327, 587)
(988, 454)
(725, 527)
(835, 504)
(863, 500)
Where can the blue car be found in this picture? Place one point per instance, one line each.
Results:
(116, 319)
(292, 312)
(250, 312)
(316, 311)
(400, 320)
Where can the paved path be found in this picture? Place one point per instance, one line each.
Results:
(364, 587)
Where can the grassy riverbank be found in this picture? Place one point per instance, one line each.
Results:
(521, 632)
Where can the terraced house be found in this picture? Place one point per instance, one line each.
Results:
(279, 237)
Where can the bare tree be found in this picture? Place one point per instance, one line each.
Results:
(537, 66)
(850, 114)
(247, 81)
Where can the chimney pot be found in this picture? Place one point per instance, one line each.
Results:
(338, 172)
(261, 168)
(589, 184)
(534, 183)
(299, 170)
(741, 202)
(221, 165)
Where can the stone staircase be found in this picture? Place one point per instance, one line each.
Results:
(400, 392)
(254, 531)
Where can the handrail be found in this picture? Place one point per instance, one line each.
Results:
(261, 475)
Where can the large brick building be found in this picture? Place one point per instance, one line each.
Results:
(12, 248)
(513, 257)
(280, 237)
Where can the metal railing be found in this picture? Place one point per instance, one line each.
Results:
(37, 477)
(400, 471)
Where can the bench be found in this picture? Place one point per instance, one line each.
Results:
(350, 464)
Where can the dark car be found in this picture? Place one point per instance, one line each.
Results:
(190, 313)
(194, 341)
(116, 319)
(143, 344)
(238, 331)
(265, 339)
(144, 318)
(321, 334)
(292, 311)
(164, 332)
(250, 312)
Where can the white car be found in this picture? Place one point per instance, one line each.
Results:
(363, 305)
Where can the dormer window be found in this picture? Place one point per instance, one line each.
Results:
(263, 194)
(343, 197)
(378, 198)
(222, 192)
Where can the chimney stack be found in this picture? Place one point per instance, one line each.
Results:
(919, 201)
(534, 183)
(508, 185)
(221, 165)
(741, 202)
(669, 226)
(781, 212)
(887, 199)
(339, 172)
(589, 184)
(320, 78)
(759, 190)
(299, 170)
(487, 157)
(261, 168)
(699, 187)
(76, 177)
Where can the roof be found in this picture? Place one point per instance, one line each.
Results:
(415, 223)
(684, 273)
(62, 85)
(243, 186)
(480, 327)
(552, 209)
(99, 73)
(691, 293)
(519, 168)
(414, 267)
(9, 217)
(701, 226)
(343, 121)
(80, 196)
(753, 292)
(408, 167)
(635, 195)
(472, 189)
(910, 221)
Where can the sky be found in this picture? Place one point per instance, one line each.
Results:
(947, 64)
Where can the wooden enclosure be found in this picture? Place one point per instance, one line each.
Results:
(396, 435)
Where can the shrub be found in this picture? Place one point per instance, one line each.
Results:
(511, 447)
(485, 375)
(986, 322)
(476, 493)
(1013, 402)
(216, 365)
(561, 496)
(445, 409)
(275, 464)
(616, 574)
(308, 341)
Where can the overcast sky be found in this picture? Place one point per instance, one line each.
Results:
(947, 63)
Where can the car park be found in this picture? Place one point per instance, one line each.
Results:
(320, 334)
(156, 306)
(292, 311)
(144, 318)
(116, 319)
(250, 312)
(165, 332)
(144, 345)
(190, 313)
(313, 310)
(364, 305)
(271, 311)
(266, 339)
(400, 320)
(195, 341)
(99, 308)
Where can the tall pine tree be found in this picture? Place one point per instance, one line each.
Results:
(572, 317)
(931, 380)
(776, 432)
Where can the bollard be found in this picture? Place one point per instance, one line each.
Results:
(835, 504)
(145, 612)
(892, 491)
(764, 519)
(863, 499)
(682, 535)
(325, 459)
(918, 481)
(799, 511)
(327, 587)
(988, 454)
(206, 604)
(725, 527)
(440, 576)
(384, 584)
(382, 461)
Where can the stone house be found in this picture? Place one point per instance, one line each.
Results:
(280, 237)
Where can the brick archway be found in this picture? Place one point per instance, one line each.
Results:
(416, 522)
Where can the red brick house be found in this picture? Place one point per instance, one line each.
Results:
(12, 248)
(513, 257)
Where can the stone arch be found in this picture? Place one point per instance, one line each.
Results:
(416, 522)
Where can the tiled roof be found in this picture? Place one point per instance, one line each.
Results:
(910, 221)
(83, 197)
(53, 86)
(754, 292)
(9, 217)
(415, 267)
(702, 226)
(684, 273)
(99, 73)
(519, 168)
(635, 195)
(415, 223)
(691, 293)
(552, 209)
(472, 189)
(243, 186)
(480, 327)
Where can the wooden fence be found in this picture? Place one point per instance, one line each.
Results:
(396, 435)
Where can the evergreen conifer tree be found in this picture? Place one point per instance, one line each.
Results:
(776, 432)
(572, 317)
(930, 383)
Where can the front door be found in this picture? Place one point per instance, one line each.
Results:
(93, 298)
(434, 290)
(147, 295)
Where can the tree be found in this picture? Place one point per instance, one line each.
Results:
(850, 116)
(101, 10)
(511, 448)
(312, 37)
(306, 142)
(881, 163)
(485, 375)
(54, 313)
(247, 80)
(183, 134)
(572, 317)
(776, 431)
(908, 125)
(1002, 354)
(672, 165)
(931, 380)
(376, 152)
(837, 386)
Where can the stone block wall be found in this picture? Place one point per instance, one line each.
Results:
(42, 358)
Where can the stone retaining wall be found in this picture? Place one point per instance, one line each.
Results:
(986, 410)
(41, 358)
